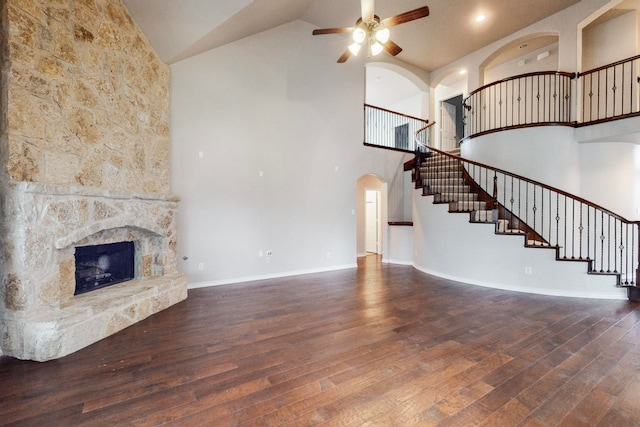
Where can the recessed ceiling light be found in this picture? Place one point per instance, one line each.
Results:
(480, 18)
(463, 71)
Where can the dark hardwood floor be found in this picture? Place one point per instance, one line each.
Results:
(382, 345)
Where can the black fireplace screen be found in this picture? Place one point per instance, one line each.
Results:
(103, 265)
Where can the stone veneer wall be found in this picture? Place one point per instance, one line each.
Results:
(88, 99)
(84, 159)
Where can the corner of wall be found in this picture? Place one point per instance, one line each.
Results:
(4, 59)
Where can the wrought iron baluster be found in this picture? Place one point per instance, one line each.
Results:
(614, 89)
(495, 190)
(550, 221)
(633, 256)
(534, 209)
(542, 215)
(573, 229)
(615, 263)
(565, 227)
(526, 205)
(580, 228)
(608, 244)
(601, 242)
(519, 202)
(588, 240)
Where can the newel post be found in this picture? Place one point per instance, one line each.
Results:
(416, 172)
(495, 213)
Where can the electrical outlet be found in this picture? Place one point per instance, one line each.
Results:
(201, 266)
(528, 271)
(269, 253)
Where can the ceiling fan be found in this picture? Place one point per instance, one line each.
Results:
(372, 31)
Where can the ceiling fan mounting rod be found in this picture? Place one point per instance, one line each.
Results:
(367, 8)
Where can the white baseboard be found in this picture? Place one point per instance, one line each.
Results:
(397, 261)
(530, 290)
(231, 281)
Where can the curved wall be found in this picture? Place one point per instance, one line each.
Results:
(448, 245)
(548, 154)
(604, 172)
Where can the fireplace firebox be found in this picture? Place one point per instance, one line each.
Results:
(99, 266)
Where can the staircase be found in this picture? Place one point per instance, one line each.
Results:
(444, 178)
(545, 217)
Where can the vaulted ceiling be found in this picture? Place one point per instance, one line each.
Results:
(180, 29)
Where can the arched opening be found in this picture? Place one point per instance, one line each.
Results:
(396, 89)
(528, 54)
(371, 216)
(611, 36)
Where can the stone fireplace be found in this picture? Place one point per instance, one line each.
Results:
(43, 319)
(84, 143)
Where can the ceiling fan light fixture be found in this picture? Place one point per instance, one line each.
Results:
(354, 48)
(376, 48)
(373, 31)
(359, 35)
(382, 35)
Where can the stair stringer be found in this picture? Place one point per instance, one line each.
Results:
(452, 247)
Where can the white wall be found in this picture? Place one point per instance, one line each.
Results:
(531, 64)
(547, 154)
(611, 176)
(446, 245)
(609, 41)
(606, 173)
(277, 105)
(395, 88)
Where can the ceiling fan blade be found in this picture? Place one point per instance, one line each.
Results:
(367, 10)
(406, 17)
(333, 30)
(392, 48)
(343, 58)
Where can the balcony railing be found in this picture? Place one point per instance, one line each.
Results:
(610, 92)
(549, 218)
(545, 98)
(521, 101)
(388, 129)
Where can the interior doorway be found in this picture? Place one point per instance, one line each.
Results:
(373, 223)
(451, 123)
(371, 215)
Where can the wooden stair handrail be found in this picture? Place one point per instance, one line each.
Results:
(396, 113)
(546, 186)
